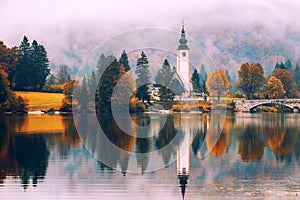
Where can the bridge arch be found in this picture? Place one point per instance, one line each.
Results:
(268, 103)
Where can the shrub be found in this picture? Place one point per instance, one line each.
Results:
(176, 108)
(66, 106)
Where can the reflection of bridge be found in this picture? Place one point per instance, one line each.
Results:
(249, 105)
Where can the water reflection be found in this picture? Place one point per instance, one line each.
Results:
(200, 154)
(24, 150)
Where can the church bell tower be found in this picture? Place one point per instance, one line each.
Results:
(183, 61)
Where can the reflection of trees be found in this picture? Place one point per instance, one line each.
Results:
(165, 136)
(110, 154)
(25, 156)
(251, 145)
(281, 141)
(218, 140)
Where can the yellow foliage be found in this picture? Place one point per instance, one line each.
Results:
(186, 108)
(176, 108)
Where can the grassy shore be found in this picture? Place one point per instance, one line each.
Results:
(42, 100)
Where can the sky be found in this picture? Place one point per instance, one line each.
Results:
(58, 23)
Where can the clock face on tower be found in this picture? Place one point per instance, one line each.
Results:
(183, 54)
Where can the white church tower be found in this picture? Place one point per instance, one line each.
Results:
(183, 61)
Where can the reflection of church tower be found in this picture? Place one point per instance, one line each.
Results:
(183, 161)
(183, 61)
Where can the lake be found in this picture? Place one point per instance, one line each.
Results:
(150, 156)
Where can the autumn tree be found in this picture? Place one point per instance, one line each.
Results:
(8, 61)
(217, 83)
(124, 89)
(275, 88)
(143, 78)
(251, 79)
(288, 82)
(4, 88)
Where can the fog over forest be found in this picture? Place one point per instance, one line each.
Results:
(231, 32)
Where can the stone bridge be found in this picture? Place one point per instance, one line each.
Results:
(249, 105)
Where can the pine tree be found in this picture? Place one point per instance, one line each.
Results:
(93, 82)
(84, 96)
(64, 74)
(228, 76)
(23, 72)
(33, 67)
(203, 79)
(296, 76)
(196, 81)
(164, 80)
(124, 61)
(288, 65)
(143, 78)
(39, 67)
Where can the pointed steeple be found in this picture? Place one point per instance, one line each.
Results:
(183, 40)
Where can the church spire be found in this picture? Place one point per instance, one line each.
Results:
(183, 40)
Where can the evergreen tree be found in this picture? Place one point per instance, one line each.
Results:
(33, 67)
(203, 79)
(84, 96)
(107, 82)
(164, 80)
(23, 72)
(196, 81)
(288, 64)
(279, 66)
(296, 76)
(93, 82)
(143, 78)
(124, 61)
(39, 67)
(64, 74)
(228, 76)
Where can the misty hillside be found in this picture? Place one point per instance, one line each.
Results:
(228, 46)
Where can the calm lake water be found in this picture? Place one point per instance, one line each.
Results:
(216, 156)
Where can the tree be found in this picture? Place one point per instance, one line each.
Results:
(275, 88)
(39, 66)
(23, 72)
(288, 82)
(64, 74)
(251, 79)
(203, 79)
(124, 61)
(196, 81)
(92, 82)
(217, 83)
(143, 78)
(288, 65)
(33, 67)
(164, 80)
(296, 76)
(228, 76)
(51, 79)
(84, 96)
(8, 61)
(107, 82)
(4, 88)
(279, 66)
(123, 90)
